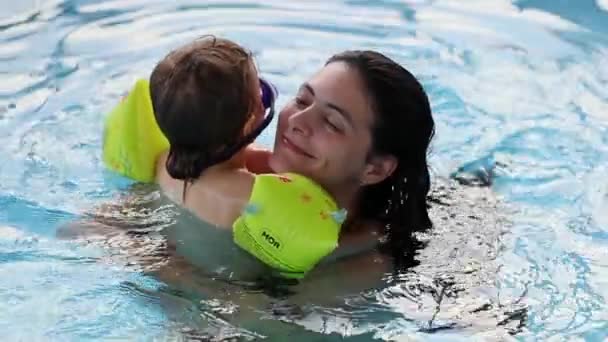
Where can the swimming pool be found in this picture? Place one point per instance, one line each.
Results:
(520, 95)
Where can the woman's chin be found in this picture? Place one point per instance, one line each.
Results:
(280, 163)
(277, 164)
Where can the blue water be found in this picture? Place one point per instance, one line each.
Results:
(520, 95)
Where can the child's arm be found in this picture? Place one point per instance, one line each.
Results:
(256, 159)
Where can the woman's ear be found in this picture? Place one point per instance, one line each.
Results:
(378, 168)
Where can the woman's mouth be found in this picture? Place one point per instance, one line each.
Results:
(294, 148)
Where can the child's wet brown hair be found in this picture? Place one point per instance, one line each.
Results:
(203, 96)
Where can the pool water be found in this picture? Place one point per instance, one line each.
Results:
(519, 250)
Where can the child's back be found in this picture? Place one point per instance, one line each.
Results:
(206, 98)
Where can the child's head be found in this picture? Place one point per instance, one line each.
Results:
(205, 97)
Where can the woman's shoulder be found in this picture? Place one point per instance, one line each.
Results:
(362, 237)
(358, 254)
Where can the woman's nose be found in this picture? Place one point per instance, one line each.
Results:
(299, 122)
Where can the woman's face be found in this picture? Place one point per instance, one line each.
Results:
(325, 131)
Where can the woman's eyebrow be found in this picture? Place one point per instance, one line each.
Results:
(308, 87)
(337, 108)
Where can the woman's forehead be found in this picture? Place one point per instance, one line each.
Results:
(341, 85)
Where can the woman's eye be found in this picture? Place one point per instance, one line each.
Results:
(332, 126)
(300, 101)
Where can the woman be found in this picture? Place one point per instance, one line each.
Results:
(361, 127)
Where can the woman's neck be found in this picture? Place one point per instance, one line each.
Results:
(347, 198)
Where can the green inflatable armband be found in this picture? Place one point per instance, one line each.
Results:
(290, 223)
(132, 139)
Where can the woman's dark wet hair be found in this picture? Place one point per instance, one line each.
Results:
(203, 98)
(403, 127)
